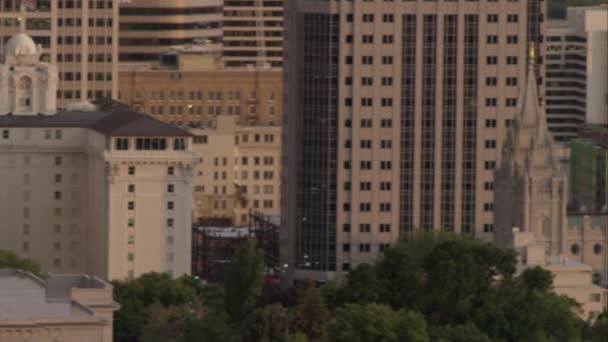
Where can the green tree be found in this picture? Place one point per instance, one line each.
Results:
(271, 323)
(9, 259)
(244, 279)
(460, 274)
(522, 309)
(137, 295)
(362, 285)
(459, 333)
(311, 312)
(376, 322)
(599, 329)
(212, 328)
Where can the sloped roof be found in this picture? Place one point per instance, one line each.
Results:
(111, 119)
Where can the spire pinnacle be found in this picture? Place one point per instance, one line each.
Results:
(531, 53)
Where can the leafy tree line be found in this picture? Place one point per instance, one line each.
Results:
(435, 287)
(430, 288)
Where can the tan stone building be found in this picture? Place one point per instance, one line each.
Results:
(79, 37)
(570, 277)
(238, 172)
(67, 308)
(192, 88)
(394, 118)
(253, 33)
(97, 188)
(151, 27)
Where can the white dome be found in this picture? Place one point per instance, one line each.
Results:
(19, 45)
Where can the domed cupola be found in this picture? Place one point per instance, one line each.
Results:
(21, 50)
(27, 86)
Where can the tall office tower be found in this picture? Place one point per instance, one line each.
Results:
(77, 36)
(95, 189)
(394, 113)
(576, 64)
(253, 33)
(150, 27)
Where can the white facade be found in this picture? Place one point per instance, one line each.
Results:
(577, 60)
(27, 86)
(99, 190)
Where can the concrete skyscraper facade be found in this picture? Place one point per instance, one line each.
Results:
(151, 27)
(253, 33)
(79, 37)
(576, 64)
(394, 116)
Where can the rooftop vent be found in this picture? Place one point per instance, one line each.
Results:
(84, 106)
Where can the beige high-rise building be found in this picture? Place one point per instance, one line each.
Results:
(253, 33)
(97, 188)
(80, 37)
(192, 88)
(238, 172)
(67, 308)
(394, 117)
(151, 27)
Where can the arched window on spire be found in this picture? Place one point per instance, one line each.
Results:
(24, 94)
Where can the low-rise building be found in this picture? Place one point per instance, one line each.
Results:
(571, 277)
(191, 88)
(238, 170)
(67, 308)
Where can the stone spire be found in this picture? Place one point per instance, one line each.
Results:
(529, 184)
(529, 133)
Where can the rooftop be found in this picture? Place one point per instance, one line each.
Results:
(111, 118)
(23, 296)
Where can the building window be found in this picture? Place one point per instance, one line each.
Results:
(122, 144)
(131, 170)
(365, 228)
(57, 195)
(170, 188)
(170, 170)
(575, 249)
(131, 188)
(170, 205)
(346, 227)
(131, 223)
(597, 249)
(131, 205)
(488, 206)
(5, 134)
(155, 144)
(385, 227)
(488, 228)
(364, 247)
(179, 144)
(58, 160)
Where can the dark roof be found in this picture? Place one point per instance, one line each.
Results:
(112, 119)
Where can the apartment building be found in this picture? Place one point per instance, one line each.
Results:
(576, 64)
(253, 33)
(191, 88)
(97, 188)
(79, 37)
(394, 117)
(151, 27)
(73, 307)
(238, 171)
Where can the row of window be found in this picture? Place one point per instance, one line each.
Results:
(367, 165)
(367, 206)
(367, 186)
(156, 144)
(389, 18)
(214, 95)
(131, 170)
(131, 205)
